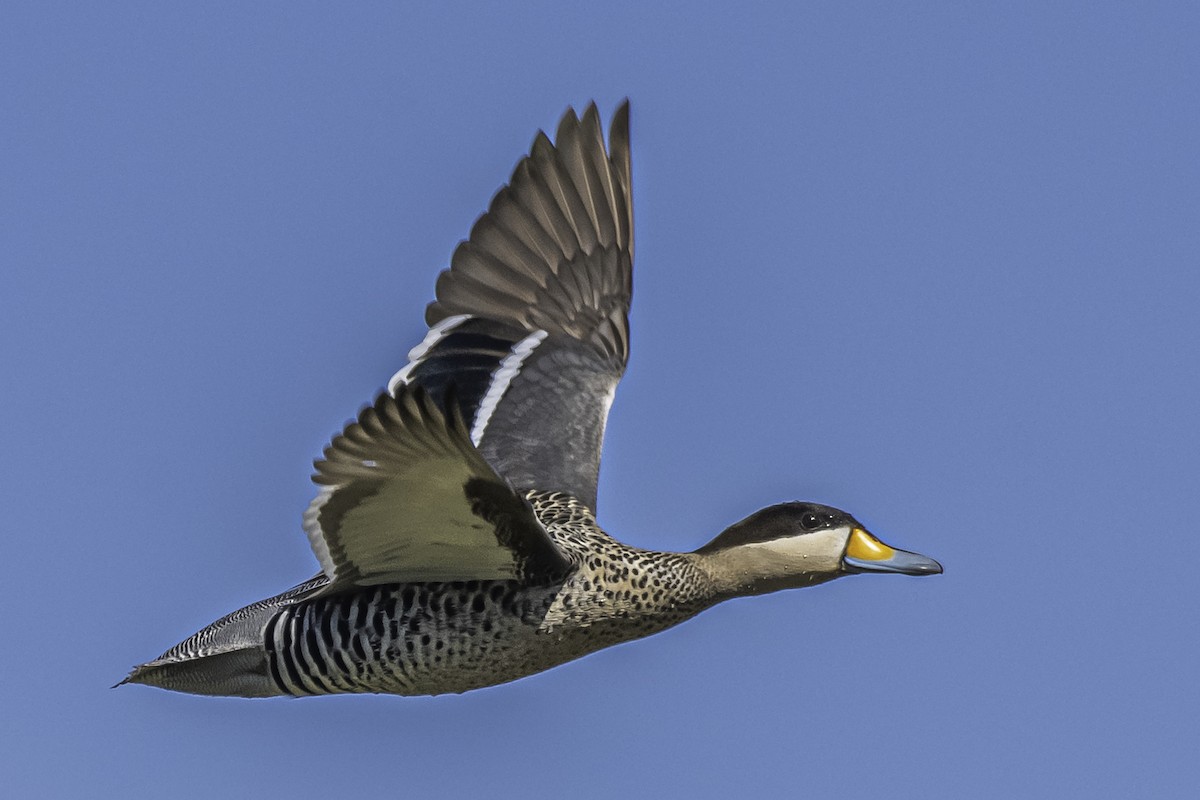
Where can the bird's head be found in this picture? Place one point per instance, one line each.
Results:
(790, 545)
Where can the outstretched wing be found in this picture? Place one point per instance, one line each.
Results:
(531, 321)
(405, 497)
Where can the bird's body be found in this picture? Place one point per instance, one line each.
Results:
(455, 520)
(446, 637)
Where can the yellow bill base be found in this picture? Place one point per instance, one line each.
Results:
(865, 547)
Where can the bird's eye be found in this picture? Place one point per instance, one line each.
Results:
(810, 522)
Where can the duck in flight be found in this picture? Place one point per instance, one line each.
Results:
(454, 518)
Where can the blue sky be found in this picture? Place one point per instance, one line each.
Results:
(936, 264)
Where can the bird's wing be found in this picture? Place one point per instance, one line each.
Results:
(531, 321)
(405, 497)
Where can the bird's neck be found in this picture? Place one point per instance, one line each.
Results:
(761, 568)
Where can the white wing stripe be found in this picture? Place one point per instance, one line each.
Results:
(435, 335)
(316, 537)
(510, 367)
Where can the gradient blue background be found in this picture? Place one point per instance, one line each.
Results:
(933, 263)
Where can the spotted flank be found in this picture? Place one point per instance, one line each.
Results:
(454, 518)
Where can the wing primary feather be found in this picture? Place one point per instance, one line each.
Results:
(589, 168)
(619, 157)
(554, 215)
(491, 236)
(573, 161)
(512, 217)
(562, 181)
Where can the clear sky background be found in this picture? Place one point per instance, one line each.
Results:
(936, 264)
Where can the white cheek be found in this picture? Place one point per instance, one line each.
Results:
(820, 551)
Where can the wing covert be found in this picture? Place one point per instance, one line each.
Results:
(405, 497)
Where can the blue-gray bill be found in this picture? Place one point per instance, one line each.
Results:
(865, 553)
(903, 563)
